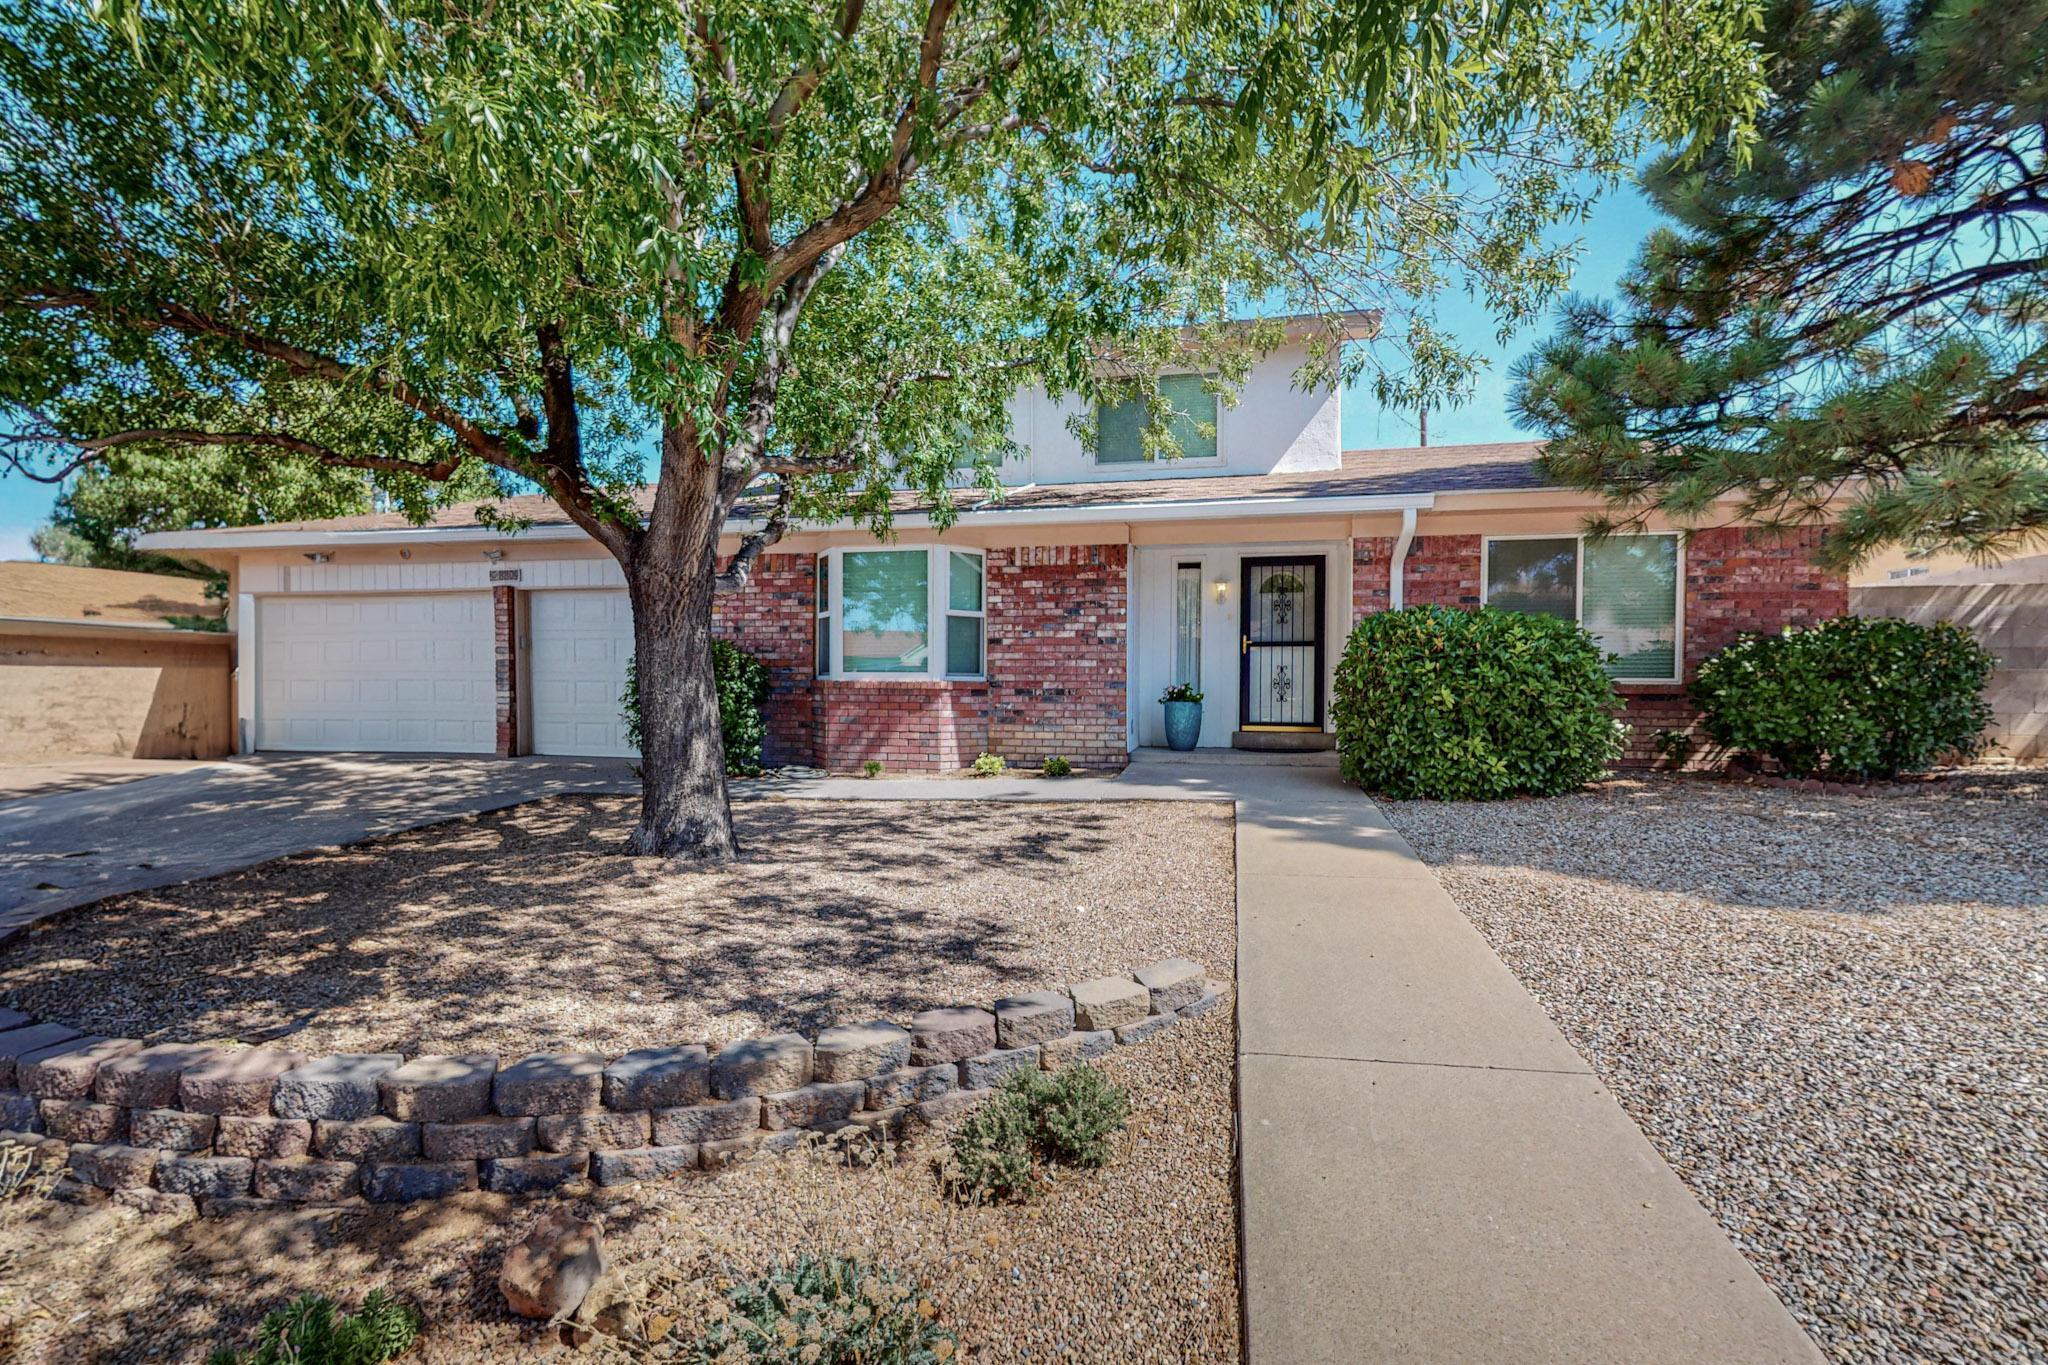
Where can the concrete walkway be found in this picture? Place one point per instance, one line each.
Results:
(67, 842)
(1430, 1172)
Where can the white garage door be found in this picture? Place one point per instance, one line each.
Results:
(408, 672)
(581, 644)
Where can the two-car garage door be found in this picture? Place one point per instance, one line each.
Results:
(415, 672)
(404, 672)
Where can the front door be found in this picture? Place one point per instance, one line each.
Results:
(1280, 678)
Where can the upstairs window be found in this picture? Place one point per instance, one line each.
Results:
(878, 610)
(1623, 589)
(1120, 427)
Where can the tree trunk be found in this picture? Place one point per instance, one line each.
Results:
(684, 809)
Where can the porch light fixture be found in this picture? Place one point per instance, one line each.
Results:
(318, 556)
(494, 555)
(1222, 586)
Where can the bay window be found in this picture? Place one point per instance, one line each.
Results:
(907, 612)
(1622, 589)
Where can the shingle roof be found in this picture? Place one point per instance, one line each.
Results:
(1506, 466)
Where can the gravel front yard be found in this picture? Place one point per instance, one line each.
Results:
(1830, 1014)
(521, 930)
(1134, 1262)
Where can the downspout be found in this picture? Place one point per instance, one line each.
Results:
(1398, 569)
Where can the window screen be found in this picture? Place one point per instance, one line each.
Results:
(1631, 603)
(1120, 427)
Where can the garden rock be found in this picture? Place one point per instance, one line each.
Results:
(1109, 1001)
(205, 1177)
(854, 1052)
(20, 1113)
(65, 1072)
(1172, 983)
(1076, 1047)
(812, 1106)
(439, 1089)
(272, 1139)
(372, 1139)
(1022, 1020)
(548, 1274)
(477, 1139)
(343, 1086)
(307, 1182)
(979, 1073)
(109, 1166)
(1202, 1004)
(760, 1066)
(590, 1132)
(551, 1083)
(402, 1184)
(950, 1035)
(658, 1078)
(234, 1082)
(912, 1084)
(24, 1042)
(534, 1174)
(1146, 1028)
(641, 1163)
(171, 1130)
(147, 1079)
(699, 1123)
(82, 1120)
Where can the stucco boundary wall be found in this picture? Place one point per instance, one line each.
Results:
(77, 689)
(232, 1129)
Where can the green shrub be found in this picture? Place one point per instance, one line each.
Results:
(1055, 766)
(1473, 705)
(989, 765)
(742, 683)
(1066, 1118)
(1854, 697)
(873, 767)
(850, 1312)
(308, 1331)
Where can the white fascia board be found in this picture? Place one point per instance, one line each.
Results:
(1206, 509)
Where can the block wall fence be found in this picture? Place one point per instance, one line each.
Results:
(228, 1126)
(1737, 581)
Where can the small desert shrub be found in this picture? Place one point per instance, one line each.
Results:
(1066, 1118)
(1856, 697)
(742, 684)
(1673, 747)
(308, 1331)
(1473, 705)
(989, 765)
(826, 1310)
(1055, 766)
(873, 767)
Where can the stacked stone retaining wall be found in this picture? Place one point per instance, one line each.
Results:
(227, 1127)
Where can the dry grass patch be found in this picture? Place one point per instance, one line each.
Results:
(521, 929)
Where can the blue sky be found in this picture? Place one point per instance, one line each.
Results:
(1617, 226)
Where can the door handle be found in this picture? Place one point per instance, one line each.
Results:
(1246, 646)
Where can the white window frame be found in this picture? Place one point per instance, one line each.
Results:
(938, 609)
(1141, 466)
(1579, 590)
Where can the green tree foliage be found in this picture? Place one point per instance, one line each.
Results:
(1473, 705)
(1857, 311)
(742, 682)
(1854, 697)
(805, 250)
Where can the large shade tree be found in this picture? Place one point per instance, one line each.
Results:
(805, 248)
(1850, 325)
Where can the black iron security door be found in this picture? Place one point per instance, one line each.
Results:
(1280, 682)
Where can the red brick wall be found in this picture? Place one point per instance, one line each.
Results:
(773, 618)
(505, 667)
(909, 724)
(1442, 571)
(1737, 581)
(1372, 561)
(1056, 642)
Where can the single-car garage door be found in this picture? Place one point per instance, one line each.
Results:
(582, 642)
(405, 672)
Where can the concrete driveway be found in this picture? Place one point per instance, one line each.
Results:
(66, 839)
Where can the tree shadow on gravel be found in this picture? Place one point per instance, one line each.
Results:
(522, 929)
(1980, 839)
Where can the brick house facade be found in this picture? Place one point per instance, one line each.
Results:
(1738, 581)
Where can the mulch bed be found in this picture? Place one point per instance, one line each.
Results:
(524, 930)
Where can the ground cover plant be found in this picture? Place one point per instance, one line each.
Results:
(310, 1330)
(1473, 705)
(827, 1310)
(1064, 1118)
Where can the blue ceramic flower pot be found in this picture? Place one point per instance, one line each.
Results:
(1183, 724)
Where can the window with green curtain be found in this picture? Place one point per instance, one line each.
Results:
(884, 611)
(1631, 604)
(1120, 427)
(963, 613)
(1538, 576)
